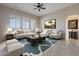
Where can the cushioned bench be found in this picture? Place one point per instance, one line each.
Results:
(11, 48)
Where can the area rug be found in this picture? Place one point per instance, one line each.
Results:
(36, 49)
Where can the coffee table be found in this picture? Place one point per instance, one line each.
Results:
(36, 39)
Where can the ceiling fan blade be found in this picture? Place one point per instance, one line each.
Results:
(42, 8)
(38, 3)
(35, 8)
(41, 4)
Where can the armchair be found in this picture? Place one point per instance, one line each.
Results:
(55, 34)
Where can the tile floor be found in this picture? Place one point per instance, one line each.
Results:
(64, 48)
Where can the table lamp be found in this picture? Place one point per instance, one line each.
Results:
(9, 30)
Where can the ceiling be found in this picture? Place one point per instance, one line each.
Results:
(29, 8)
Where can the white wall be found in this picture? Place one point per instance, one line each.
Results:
(59, 20)
(61, 17)
(4, 18)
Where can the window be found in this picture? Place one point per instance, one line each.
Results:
(15, 22)
(18, 22)
(33, 24)
(25, 23)
(12, 22)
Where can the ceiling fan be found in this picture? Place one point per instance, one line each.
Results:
(39, 6)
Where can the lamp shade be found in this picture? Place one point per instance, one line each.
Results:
(37, 30)
(9, 29)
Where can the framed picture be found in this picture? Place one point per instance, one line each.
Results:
(73, 24)
(50, 24)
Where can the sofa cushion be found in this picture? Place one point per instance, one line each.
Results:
(14, 47)
(11, 41)
(11, 48)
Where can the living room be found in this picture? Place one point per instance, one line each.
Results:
(50, 23)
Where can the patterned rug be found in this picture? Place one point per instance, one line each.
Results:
(36, 49)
